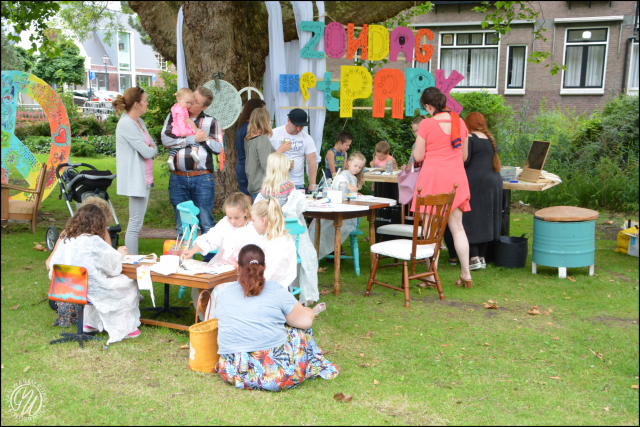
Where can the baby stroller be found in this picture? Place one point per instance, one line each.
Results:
(77, 185)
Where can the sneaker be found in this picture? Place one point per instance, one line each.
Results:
(88, 329)
(194, 156)
(134, 334)
(452, 261)
(141, 297)
(170, 165)
(475, 263)
(484, 263)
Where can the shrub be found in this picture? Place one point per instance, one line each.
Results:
(25, 129)
(98, 145)
(87, 126)
(493, 107)
(82, 149)
(161, 99)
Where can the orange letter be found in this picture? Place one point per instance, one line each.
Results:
(353, 44)
(428, 49)
(388, 83)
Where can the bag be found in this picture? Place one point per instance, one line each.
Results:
(203, 345)
(627, 241)
(67, 314)
(407, 181)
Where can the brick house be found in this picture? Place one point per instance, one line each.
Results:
(591, 38)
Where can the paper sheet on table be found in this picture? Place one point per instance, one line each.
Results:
(192, 267)
(144, 281)
(337, 207)
(543, 174)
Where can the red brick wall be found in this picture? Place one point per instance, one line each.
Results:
(540, 84)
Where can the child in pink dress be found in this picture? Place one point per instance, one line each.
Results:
(183, 125)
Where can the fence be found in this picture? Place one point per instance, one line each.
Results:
(100, 110)
(30, 112)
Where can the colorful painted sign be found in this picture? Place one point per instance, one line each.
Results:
(15, 153)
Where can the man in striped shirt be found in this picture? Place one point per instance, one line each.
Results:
(191, 181)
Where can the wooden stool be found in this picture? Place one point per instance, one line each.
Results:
(564, 236)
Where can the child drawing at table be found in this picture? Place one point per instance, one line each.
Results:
(353, 174)
(380, 159)
(225, 235)
(183, 125)
(276, 182)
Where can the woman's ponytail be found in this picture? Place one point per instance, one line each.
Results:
(251, 262)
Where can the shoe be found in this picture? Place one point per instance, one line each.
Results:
(484, 263)
(427, 284)
(461, 282)
(134, 334)
(88, 329)
(475, 263)
(452, 261)
(194, 156)
(141, 297)
(170, 165)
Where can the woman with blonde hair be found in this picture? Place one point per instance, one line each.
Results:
(277, 183)
(257, 148)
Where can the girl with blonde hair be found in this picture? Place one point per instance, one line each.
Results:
(257, 148)
(277, 183)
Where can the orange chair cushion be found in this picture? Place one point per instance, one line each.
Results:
(20, 207)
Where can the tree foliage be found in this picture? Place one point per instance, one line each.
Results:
(68, 67)
(11, 59)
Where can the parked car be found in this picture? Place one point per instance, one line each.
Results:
(80, 97)
(104, 95)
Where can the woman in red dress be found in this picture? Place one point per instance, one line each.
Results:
(441, 142)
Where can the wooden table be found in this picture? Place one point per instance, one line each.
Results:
(199, 281)
(337, 216)
(542, 185)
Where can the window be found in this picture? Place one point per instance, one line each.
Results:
(474, 55)
(124, 52)
(99, 83)
(516, 70)
(143, 81)
(162, 63)
(125, 82)
(633, 69)
(585, 60)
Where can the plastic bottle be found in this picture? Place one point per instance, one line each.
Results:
(389, 167)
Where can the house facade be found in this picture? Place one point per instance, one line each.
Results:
(594, 40)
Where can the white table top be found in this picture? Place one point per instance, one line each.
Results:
(344, 207)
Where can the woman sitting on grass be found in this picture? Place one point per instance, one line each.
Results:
(265, 340)
(114, 297)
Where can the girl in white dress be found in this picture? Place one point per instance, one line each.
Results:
(114, 297)
(225, 235)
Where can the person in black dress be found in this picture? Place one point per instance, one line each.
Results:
(482, 223)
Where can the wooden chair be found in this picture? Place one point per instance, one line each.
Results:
(70, 284)
(20, 209)
(428, 231)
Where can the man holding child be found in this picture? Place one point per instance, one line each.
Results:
(301, 148)
(190, 180)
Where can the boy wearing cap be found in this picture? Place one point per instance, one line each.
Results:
(302, 147)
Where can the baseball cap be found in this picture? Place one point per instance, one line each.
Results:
(298, 117)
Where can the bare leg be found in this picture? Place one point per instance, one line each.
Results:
(460, 241)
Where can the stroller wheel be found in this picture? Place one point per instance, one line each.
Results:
(52, 237)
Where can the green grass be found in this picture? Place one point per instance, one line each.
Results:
(439, 362)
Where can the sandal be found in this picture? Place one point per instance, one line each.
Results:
(427, 284)
(461, 282)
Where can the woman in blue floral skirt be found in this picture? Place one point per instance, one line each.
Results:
(254, 314)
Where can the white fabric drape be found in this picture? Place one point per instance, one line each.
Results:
(595, 61)
(181, 67)
(277, 60)
(573, 65)
(455, 59)
(517, 67)
(483, 68)
(269, 100)
(633, 72)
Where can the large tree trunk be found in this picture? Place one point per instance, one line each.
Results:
(232, 36)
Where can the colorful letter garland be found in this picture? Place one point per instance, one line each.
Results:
(14, 153)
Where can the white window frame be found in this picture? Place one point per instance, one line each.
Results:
(492, 90)
(507, 90)
(132, 75)
(162, 63)
(585, 91)
(632, 90)
(144, 75)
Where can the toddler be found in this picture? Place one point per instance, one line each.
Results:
(276, 182)
(183, 125)
(336, 155)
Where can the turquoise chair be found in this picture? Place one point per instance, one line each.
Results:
(189, 216)
(355, 254)
(295, 229)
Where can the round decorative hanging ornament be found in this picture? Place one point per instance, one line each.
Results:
(226, 105)
(14, 152)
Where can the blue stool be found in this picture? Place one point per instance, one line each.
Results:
(295, 229)
(355, 254)
(564, 236)
(189, 217)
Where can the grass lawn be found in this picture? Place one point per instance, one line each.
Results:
(439, 362)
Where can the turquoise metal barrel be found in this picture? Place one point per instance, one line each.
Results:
(564, 244)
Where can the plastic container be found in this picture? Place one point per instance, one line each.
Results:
(511, 251)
